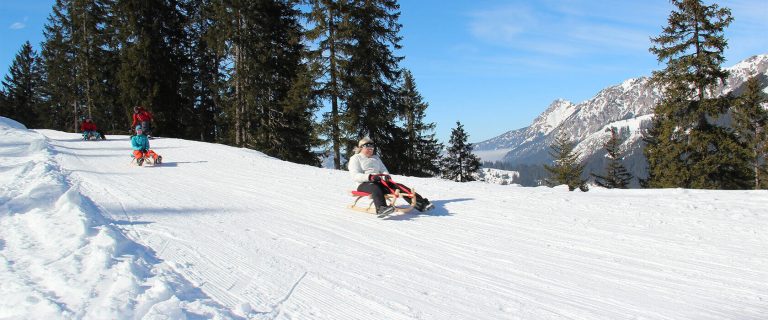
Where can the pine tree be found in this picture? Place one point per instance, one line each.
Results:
(617, 175)
(21, 88)
(750, 119)
(94, 61)
(270, 98)
(330, 30)
(296, 136)
(685, 147)
(460, 163)
(150, 34)
(370, 76)
(202, 79)
(57, 58)
(566, 169)
(79, 61)
(422, 150)
(284, 84)
(4, 108)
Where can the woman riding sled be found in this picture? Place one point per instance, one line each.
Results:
(367, 169)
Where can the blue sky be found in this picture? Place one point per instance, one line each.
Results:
(495, 65)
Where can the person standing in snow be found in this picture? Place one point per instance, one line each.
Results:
(143, 118)
(141, 150)
(367, 169)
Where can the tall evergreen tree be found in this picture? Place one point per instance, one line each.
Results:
(567, 168)
(94, 60)
(57, 56)
(297, 135)
(422, 150)
(371, 74)
(685, 147)
(460, 163)
(750, 119)
(330, 31)
(201, 79)
(151, 34)
(616, 175)
(21, 88)
(270, 101)
(4, 109)
(79, 63)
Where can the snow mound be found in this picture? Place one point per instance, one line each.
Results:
(59, 258)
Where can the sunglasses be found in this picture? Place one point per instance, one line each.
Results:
(369, 145)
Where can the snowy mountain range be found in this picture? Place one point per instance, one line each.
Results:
(627, 106)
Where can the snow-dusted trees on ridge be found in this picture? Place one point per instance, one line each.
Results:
(616, 175)
(567, 169)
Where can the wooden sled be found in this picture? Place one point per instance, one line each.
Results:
(147, 162)
(390, 198)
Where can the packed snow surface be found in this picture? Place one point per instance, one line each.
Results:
(227, 233)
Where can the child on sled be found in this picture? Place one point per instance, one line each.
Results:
(141, 150)
(88, 128)
(367, 169)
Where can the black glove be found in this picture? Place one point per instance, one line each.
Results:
(379, 177)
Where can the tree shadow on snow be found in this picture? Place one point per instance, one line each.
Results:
(129, 223)
(173, 164)
(84, 155)
(57, 148)
(148, 212)
(438, 211)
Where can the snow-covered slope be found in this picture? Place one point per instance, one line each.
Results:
(627, 106)
(222, 232)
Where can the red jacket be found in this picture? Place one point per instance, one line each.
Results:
(141, 116)
(88, 126)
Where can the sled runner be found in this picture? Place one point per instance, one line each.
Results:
(391, 198)
(147, 161)
(92, 136)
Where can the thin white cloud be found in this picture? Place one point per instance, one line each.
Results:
(17, 26)
(558, 30)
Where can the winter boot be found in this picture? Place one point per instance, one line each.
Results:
(139, 161)
(384, 211)
(423, 205)
(159, 160)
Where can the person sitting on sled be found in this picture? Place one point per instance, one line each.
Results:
(143, 118)
(141, 150)
(367, 169)
(88, 128)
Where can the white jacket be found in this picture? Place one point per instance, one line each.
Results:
(360, 167)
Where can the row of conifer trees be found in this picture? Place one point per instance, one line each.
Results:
(248, 73)
(255, 74)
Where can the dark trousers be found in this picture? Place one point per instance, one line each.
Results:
(146, 127)
(378, 190)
